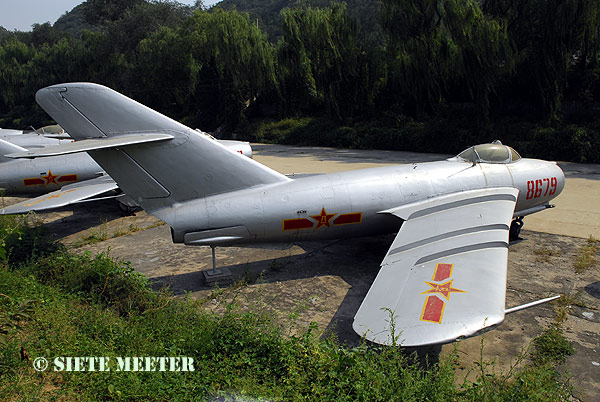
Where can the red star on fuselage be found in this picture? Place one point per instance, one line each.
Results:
(323, 219)
(50, 178)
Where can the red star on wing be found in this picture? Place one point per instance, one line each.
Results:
(323, 219)
(50, 178)
(445, 289)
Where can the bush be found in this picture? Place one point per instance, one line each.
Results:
(551, 347)
(100, 279)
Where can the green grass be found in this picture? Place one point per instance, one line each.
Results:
(66, 305)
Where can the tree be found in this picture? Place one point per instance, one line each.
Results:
(235, 65)
(165, 72)
(483, 53)
(323, 62)
(548, 36)
(419, 51)
(101, 12)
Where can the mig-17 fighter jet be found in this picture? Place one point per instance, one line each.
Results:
(443, 277)
(79, 177)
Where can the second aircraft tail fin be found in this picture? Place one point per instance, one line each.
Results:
(8, 148)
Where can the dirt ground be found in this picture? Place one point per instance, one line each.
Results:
(326, 282)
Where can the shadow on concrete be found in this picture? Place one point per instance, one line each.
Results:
(319, 259)
(85, 216)
(593, 289)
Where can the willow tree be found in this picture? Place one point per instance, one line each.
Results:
(25, 68)
(548, 37)
(418, 49)
(323, 63)
(165, 73)
(14, 57)
(435, 46)
(482, 50)
(235, 63)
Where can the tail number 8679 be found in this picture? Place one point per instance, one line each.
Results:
(541, 187)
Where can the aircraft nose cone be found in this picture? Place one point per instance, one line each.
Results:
(560, 178)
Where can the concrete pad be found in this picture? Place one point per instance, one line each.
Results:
(577, 211)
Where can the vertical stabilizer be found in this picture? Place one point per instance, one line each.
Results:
(155, 175)
(8, 148)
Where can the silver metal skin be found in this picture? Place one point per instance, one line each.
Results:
(452, 216)
(33, 140)
(44, 175)
(54, 172)
(367, 191)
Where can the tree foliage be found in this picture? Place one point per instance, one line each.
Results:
(417, 65)
(323, 63)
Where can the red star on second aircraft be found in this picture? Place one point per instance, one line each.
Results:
(50, 178)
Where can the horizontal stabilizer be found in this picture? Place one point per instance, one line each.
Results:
(71, 194)
(91, 145)
(444, 277)
(159, 174)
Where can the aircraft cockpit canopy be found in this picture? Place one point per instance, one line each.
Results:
(489, 153)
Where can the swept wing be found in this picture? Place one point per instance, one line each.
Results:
(71, 194)
(444, 277)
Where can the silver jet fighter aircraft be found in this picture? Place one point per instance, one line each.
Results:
(69, 178)
(444, 276)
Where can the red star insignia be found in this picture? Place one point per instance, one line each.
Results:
(50, 178)
(445, 289)
(323, 219)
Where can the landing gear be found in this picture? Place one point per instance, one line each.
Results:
(515, 229)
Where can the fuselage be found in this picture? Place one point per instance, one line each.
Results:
(349, 204)
(43, 175)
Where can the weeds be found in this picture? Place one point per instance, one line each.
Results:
(543, 255)
(103, 234)
(93, 237)
(563, 305)
(586, 256)
(13, 315)
(551, 347)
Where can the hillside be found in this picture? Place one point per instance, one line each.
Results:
(73, 21)
(268, 13)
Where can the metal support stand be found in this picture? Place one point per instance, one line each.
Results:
(221, 276)
(212, 248)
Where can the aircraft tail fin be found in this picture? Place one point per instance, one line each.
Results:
(187, 166)
(8, 148)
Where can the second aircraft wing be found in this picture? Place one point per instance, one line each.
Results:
(71, 194)
(444, 277)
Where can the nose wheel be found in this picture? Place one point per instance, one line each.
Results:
(515, 229)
